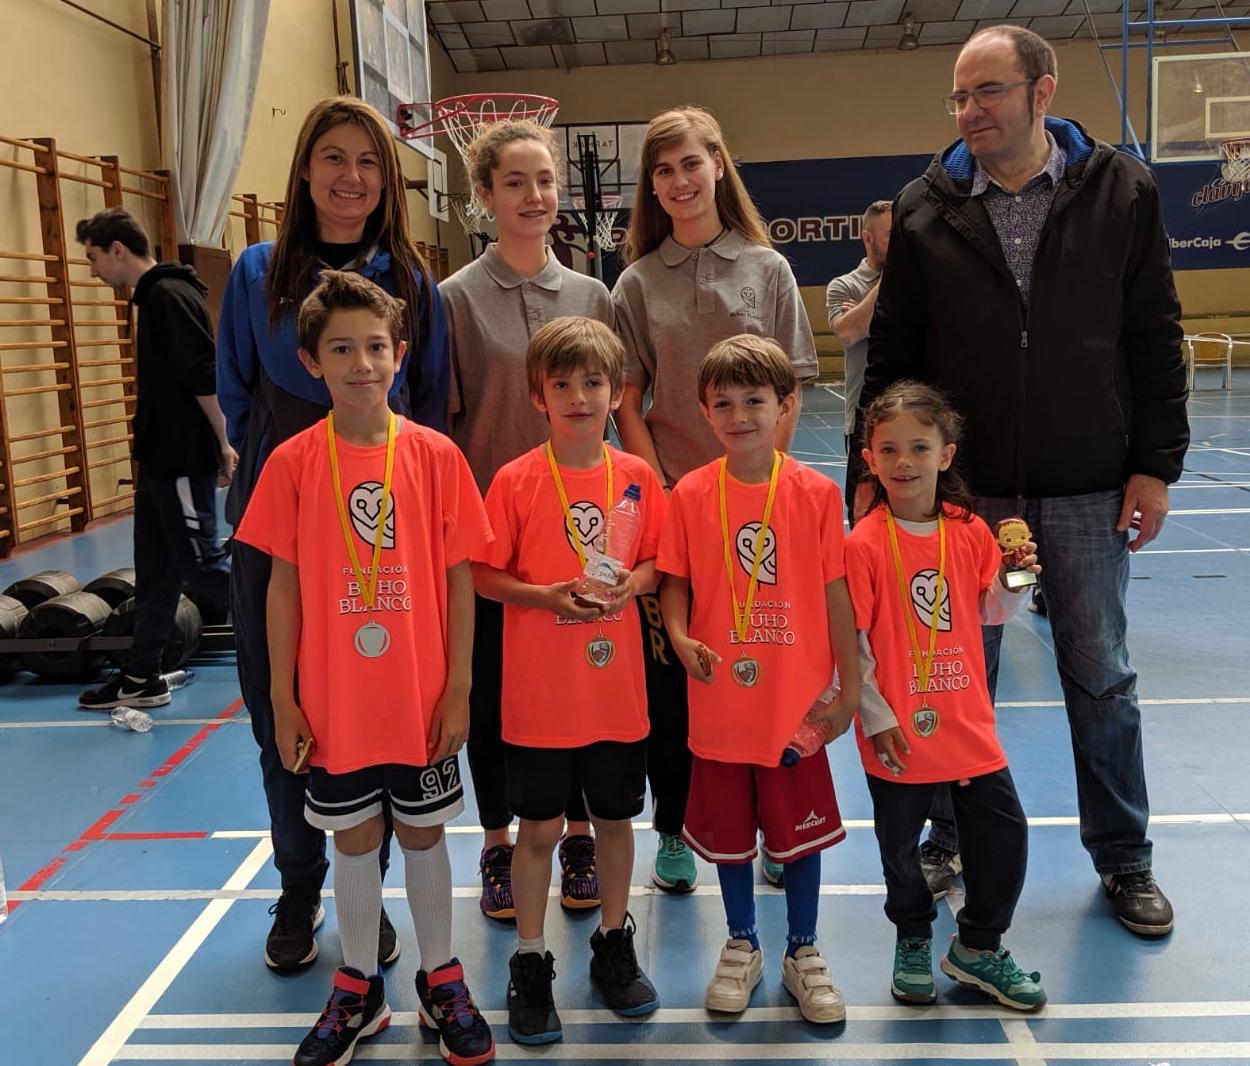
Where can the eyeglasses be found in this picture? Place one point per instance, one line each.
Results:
(987, 97)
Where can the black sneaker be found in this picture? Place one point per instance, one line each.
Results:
(495, 866)
(1038, 603)
(532, 1017)
(356, 1009)
(1139, 902)
(463, 1036)
(614, 968)
(388, 942)
(579, 876)
(940, 868)
(290, 944)
(122, 690)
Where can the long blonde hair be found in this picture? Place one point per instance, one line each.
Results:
(294, 258)
(649, 224)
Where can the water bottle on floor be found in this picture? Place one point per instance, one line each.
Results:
(810, 736)
(612, 548)
(132, 718)
(176, 679)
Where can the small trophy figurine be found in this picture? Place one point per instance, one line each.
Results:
(1013, 534)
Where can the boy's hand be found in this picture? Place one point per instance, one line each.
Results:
(1023, 558)
(449, 727)
(836, 716)
(621, 593)
(696, 657)
(289, 728)
(558, 599)
(891, 746)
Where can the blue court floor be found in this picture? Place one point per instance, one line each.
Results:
(140, 867)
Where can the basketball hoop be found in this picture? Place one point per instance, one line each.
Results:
(1236, 166)
(463, 117)
(469, 213)
(605, 219)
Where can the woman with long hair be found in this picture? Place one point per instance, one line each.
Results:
(345, 210)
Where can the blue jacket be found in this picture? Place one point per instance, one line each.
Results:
(268, 396)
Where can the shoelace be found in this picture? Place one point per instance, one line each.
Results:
(621, 957)
(673, 845)
(1009, 970)
(498, 870)
(914, 956)
(454, 1003)
(579, 856)
(284, 911)
(933, 855)
(1141, 883)
(534, 979)
(338, 1012)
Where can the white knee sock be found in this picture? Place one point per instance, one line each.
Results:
(427, 878)
(358, 904)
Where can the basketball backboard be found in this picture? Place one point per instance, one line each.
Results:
(1199, 103)
(619, 149)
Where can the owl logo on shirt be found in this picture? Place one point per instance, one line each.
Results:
(364, 508)
(924, 597)
(747, 310)
(588, 521)
(746, 541)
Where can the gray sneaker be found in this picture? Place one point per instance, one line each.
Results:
(940, 868)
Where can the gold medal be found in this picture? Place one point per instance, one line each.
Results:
(371, 640)
(746, 670)
(924, 721)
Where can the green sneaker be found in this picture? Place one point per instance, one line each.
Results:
(674, 869)
(912, 981)
(774, 872)
(996, 974)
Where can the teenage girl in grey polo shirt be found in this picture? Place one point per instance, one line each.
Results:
(493, 306)
(701, 268)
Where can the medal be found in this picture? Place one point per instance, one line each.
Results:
(600, 650)
(746, 670)
(372, 639)
(925, 720)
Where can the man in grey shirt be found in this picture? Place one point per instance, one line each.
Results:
(849, 302)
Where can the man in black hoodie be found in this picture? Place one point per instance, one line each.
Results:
(1029, 276)
(180, 448)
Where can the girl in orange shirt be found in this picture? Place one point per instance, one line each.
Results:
(925, 573)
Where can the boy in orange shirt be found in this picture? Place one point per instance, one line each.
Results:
(382, 652)
(756, 539)
(574, 692)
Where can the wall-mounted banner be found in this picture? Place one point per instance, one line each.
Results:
(813, 208)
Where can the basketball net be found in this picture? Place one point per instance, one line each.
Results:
(1236, 166)
(605, 219)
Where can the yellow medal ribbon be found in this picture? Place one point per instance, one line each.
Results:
(742, 615)
(924, 664)
(569, 524)
(368, 589)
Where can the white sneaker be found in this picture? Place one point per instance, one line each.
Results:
(807, 979)
(738, 971)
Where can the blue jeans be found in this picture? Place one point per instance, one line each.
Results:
(1085, 572)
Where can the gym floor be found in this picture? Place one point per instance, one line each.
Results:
(139, 873)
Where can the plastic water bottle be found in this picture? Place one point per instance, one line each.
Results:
(178, 678)
(132, 718)
(612, 548)
(810, 736)
(4, 899)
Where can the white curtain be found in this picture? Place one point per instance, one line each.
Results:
(210, 60)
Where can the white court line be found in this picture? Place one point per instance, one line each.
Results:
(697, 1015)
(1190, 551)
(824, 1051)
(1209, 510)
(1179, 701)
(113, 1039)
(1022, 1040)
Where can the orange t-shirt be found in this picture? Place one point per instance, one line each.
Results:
(365, 711)
(552, 696)
(788, 629)
(964, 743)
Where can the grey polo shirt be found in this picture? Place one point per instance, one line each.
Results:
(851, 288)
(674, 303)
(491, 314)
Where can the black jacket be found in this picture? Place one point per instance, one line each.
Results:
(176, 362)
(1083, 387)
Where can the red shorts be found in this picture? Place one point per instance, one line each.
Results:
(731, 802)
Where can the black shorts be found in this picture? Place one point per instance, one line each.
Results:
(420, 796)
(612, 777)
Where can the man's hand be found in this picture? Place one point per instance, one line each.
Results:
(698, 659)
(890, 747)
(449, 726)
(289, 728)
(558, 599)
(1145, 508)
(228, 463)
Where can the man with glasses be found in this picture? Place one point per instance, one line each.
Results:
(1029, 275)
(849, 303)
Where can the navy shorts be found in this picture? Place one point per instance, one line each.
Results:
(612, 777)
(420, 796)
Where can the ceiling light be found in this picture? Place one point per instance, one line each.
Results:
(909, 42)
(1198, 89)
(664, 54)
